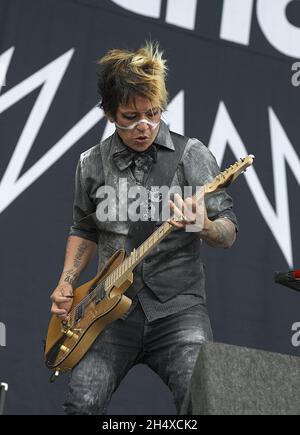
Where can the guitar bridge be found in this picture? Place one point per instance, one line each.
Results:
(64, 326)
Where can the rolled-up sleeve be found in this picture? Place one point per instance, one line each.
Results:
(200, 168)
(83, 210)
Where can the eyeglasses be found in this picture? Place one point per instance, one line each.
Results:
(152, 119)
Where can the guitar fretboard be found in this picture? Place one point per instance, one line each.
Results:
(137, 255)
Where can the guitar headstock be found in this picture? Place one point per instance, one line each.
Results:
(225, 178)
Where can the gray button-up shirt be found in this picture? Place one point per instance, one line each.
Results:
(171, 278)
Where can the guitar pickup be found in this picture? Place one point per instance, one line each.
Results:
(100, 294)
(79, 312)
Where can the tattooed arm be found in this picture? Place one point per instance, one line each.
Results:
(220, 233)
(79, 252)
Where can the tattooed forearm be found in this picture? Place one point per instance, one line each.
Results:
(70, 276)
(221, 234)
(81, 250)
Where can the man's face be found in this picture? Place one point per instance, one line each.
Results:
(143, 135)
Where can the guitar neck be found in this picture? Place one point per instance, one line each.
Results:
(137, 255)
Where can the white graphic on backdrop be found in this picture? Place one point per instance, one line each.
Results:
(5, 59)
(236, 21)
(50, 78)
(237, 18)
(145, 8)
(2, 334)
(178, 12)
(225, 134)
(283, 35)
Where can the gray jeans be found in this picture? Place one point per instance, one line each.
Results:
(169, 346)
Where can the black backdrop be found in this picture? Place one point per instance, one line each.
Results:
(230, 86)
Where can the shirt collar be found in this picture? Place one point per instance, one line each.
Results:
(163, 137)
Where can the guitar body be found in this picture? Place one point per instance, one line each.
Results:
(65, 346)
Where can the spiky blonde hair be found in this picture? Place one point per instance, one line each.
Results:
(126, 74)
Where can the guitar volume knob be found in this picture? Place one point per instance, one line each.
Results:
(72, 334)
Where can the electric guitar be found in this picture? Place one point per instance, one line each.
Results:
(100, 301)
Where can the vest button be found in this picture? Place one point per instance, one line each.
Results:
(148, 260)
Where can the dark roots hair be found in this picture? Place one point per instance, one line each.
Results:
(126, 74)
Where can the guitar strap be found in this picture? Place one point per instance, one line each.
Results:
(161, 174)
